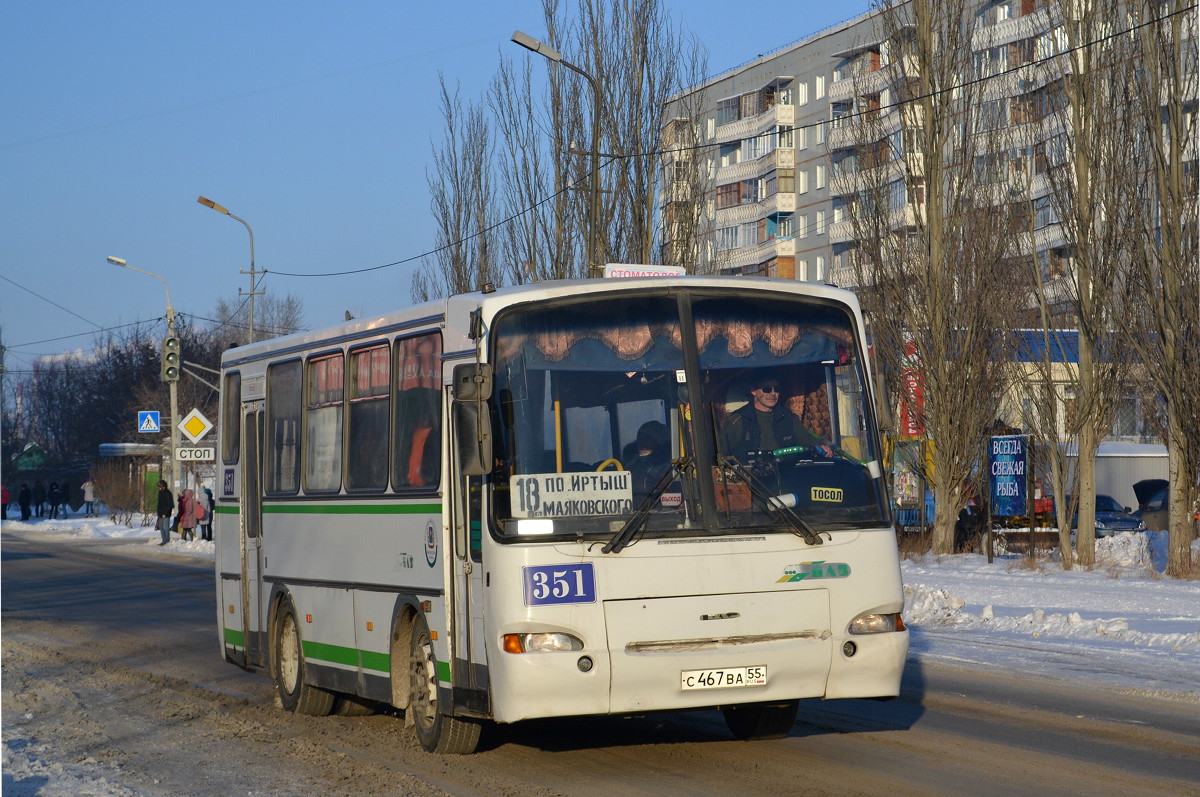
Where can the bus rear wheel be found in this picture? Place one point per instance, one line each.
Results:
(289, 666)
(437, 732)
(761, 720)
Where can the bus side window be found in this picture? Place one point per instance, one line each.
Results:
(323, 423)
(367, 422)
(284, 395)
(231, 426)
(417, 431)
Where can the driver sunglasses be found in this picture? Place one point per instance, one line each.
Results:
(769, 388)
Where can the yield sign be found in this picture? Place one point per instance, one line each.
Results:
(195, 425)
(148, 421)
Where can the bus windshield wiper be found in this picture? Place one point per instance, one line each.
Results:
(638, 518)
(773, 503)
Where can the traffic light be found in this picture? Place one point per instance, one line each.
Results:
(171, 360)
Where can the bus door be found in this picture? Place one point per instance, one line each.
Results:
(251, 539)
(466, 593)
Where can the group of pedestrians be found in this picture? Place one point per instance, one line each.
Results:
(185, 515)
(41, 502)
(190, 515)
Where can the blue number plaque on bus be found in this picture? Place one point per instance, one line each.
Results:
(554, 584)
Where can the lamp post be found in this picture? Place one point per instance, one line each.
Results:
(171, 383)
(544, 50)
(253, 274)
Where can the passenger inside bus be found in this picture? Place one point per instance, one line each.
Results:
(648, 456)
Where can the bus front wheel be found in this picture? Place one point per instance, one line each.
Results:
(437, 732)
(761, 720)
(288, 668)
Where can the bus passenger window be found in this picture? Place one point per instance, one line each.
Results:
(231, 426)
(282, 454)
(367, 432)
(323, 423)
(417, 430)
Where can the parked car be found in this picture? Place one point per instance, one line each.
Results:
(1111, 517)
(1152, 503)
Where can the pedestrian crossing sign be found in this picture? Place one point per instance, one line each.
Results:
(148, 421)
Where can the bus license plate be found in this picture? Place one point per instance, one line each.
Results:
(724, 677)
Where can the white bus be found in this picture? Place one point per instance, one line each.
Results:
(527, 503)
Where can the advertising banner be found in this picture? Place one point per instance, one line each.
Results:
(1008, 466)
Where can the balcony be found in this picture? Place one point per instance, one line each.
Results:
(1011, 30)
(752, 255)
(755, 125)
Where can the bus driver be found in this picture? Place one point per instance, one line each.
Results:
(764, 424)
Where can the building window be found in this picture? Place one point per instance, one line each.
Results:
(727, 238)
(728, 195)
(820, 222)
(802, 184)
(820, 176)
(787, 181)
(803, 226)
(727, 110)
(819, 86)
(787, 136)
(820, 270)
(802, 93)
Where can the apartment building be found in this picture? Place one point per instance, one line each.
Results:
(762, 164)
(781, 147)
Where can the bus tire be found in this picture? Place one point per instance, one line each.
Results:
(437, 732)
(748, 721)
(289, 668)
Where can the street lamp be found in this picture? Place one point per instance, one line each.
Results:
(544, 50)
(253, 274)
(168, 346)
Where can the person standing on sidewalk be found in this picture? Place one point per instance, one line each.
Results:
(89, 497)
(166, 505)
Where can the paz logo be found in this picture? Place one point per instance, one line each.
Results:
(814, 570)
(431, 543)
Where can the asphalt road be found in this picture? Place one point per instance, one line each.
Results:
(110, 657)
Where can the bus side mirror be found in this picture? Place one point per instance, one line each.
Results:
(883, 405)
(472, 419)
(473, 437)
(473, 382)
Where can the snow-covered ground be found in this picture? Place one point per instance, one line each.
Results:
(1120, 625)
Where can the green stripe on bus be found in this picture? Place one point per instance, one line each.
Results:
(320, 651)
(225, 510)
(338, 654)
(352, 509)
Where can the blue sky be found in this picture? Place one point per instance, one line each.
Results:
(313, 121)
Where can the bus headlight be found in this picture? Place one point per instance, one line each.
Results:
(876, 624)
(541, 643)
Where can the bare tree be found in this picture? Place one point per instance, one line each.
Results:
(638, 61)
(932, 240)
(274, 316)
(461, 200)
(1077, 198)
(1161, 86)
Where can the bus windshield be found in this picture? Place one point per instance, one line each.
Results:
(707, 411)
